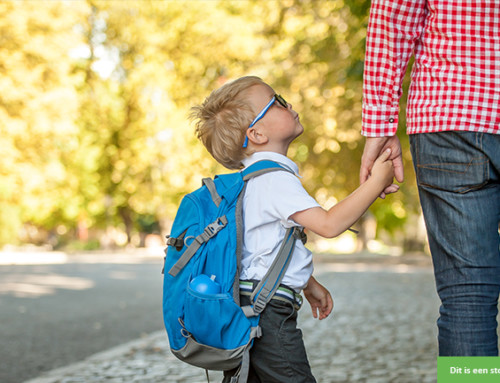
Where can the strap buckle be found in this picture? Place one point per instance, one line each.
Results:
(213, 228)
(299, 233)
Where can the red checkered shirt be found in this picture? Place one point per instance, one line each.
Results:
(455, 79)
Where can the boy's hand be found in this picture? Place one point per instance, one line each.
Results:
(374, 146)
(383, 170)
(319, 298)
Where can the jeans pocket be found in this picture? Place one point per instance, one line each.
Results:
(450, 161)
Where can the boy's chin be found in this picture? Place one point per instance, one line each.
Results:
(300, 130)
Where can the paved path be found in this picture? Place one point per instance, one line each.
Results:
(59, 313)
(382, 331)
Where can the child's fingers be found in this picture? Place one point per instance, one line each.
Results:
(384, 156)
(330, 304)
(326, 307)
(314, 311)
(391, 189)
(324, 313)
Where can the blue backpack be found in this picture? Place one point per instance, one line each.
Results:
(206, 326)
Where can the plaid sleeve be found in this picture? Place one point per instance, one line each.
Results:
(393, 28)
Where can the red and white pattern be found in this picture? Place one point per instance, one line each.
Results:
(455, 79)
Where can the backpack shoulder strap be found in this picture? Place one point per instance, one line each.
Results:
(262, 167)
(210, 184)
(266, 288)
(256, 169)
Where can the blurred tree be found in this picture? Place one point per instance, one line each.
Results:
(96, 97)
(140, 78)
(37, 105)
(318, 51)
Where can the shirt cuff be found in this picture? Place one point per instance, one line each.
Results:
(379, 122)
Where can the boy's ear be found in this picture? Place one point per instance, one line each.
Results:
(256, 137)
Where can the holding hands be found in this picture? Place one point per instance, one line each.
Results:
(380, 153)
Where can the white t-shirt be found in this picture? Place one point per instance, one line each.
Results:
(269, 201)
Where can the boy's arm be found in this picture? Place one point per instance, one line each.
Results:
(340, 217)
(319, 298)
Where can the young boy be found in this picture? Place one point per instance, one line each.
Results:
(243, 122)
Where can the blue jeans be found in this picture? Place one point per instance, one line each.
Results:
(458, 177)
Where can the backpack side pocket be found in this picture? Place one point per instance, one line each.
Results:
(216, 320)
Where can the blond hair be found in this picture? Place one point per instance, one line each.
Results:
(223, 119)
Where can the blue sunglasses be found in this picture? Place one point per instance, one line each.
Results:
(276, 98)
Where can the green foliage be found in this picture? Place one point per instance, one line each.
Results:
(95, 98)
(37, 107)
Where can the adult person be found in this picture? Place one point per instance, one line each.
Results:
(453, 122)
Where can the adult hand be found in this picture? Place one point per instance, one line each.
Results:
(374, 146)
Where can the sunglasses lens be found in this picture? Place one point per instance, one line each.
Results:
(281, 100)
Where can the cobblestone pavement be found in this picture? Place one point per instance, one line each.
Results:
(382, 331)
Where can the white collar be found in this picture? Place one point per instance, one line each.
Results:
(273, 156)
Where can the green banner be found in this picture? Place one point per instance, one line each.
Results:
(468, 369)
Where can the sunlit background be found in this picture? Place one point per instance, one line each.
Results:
(96, 146)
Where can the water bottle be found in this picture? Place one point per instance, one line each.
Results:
(205, 284)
